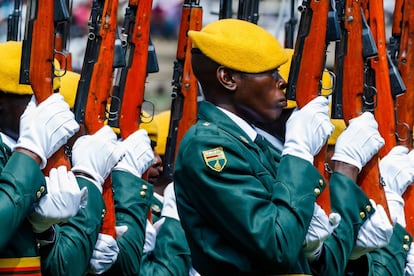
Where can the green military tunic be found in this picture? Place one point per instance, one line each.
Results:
(132, 198)
(75, 239)
(24, 183)
(171, 255)
(244, 213)
(387, 261)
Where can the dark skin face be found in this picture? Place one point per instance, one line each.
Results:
(11, 108)
(257, 98)
(155, 175)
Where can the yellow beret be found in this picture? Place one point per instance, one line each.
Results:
(163, 122)
(10, 58)
(339, 125)
(239, 45)
(148, 123)
(69, 86)
(284, 72)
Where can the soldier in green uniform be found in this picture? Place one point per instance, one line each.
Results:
(158, 249)
(132, 197)
(242, 212)
(38, 236)
(169, 253)
(397, 173)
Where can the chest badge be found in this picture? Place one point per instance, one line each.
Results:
(215, 159)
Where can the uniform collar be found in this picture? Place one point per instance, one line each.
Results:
(251, 133)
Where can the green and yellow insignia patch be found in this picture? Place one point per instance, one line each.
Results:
(215, 159)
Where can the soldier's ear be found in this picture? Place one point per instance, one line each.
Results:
(227, 78)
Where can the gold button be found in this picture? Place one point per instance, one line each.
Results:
(42, 189)
(406, 247)
(362, 215)
(317, 191)
(368, 208)
(103, 213)
(142, 193)
(144, 187)
(406, 238)
(320, 182)
(38, 194)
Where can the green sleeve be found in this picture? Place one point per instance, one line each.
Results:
(387, 261)
(75, 239)
(171, 255)
(348, 200)
(132, 198)
(22, 184)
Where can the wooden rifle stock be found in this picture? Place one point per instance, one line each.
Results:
(128, 97)
(185, 85)
(129, 88)
(95, 84)
(358, 48)
(384, 110)
(308, 63)
(403, 32)
(41, 30)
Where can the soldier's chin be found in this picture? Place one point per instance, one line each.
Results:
(255, 117)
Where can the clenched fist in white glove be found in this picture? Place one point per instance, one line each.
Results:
(359, 142)
(169, 207)
(320, 228)
(150, 237)
(397, 170)
(46, 127)
(397, 173)
(96, 155)
(308, 129)
(139, 155)
(375, 233)
(104, 255)
(62, 201)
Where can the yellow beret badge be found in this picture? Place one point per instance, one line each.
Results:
(215, 159)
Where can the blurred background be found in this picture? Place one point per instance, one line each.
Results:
(165, 19)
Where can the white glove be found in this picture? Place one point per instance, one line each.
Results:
(169, 207)
(308, 129)
(46, 128)
(359, 142)
(62, 201)
(104, 255)
(320, 228)
(396, 170)
(139, 154)
(397, 173)
(375, 233)
(395, 204)
(150, 237)
(121, 230)
(409, 265)
(96, 155)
